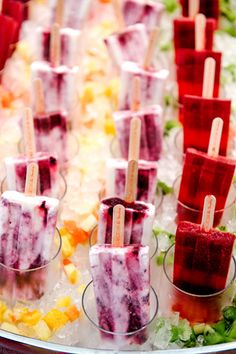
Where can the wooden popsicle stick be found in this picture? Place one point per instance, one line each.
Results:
(134, 139)
(119, 14)
(208, 212)
(39, 96)
(59, 12)
(136, 94)
(209, 78)
(215, 137)
(31, 179)
(200, 32)
(1, 1)
(151, 48)
(28, 133)
(131, 181)
(55, 45)
(118, 226)
(193, 8)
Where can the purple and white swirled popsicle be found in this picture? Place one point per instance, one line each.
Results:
(147, 179)
(139, 218)
(128, 45)
(48, 176)
(151, 133)
(27, 229)
(121, 279)
(69, 43)
(152, 85)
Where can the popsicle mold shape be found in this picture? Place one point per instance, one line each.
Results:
(210, 8)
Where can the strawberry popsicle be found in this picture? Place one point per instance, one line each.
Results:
(69, 39)
(148, 13)
(8, 30)
(147, 179)
(15, 10)
(139, 217)
(122, 46)
(151, 132)
(210, 8)
(48, 173)
(152, 85)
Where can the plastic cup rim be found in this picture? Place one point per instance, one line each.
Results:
(120, 333)
(198, 295)
(16, 270)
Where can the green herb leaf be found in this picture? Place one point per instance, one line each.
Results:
(170, 124)
(171, 5)
(164, 188)
(229, 313)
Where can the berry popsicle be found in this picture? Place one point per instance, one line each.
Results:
(122, 302)
(8, 30)
(47, 164)
(51, 133)
(59, 81)
(148, 13)
(69, 42)
(201, 266)
(205, 173)
(210, 8)
(15, 10)
(199, 112)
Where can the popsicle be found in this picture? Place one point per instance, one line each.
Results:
(205, 173)
(147, 179)
(73, 15)
(190, 65)
(27, 225)
(47, 164)
(199, 112)
(59, 81)
(15, 10)
(121, 280)
(51, 132)
(210, 8)
(69, 41)
(148, 13)
(202, 257)
(8, 30)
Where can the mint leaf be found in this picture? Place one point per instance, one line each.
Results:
(164, 188)
(170, 124)
(171, 5)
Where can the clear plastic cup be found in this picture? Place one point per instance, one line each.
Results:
(31, 284)
(194, 307)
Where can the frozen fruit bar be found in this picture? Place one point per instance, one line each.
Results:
(26, 229)
(198, 114)
(151, 132)
(184, 33)
(190, 70)
(75, 12)
(48, 173)
(148, 13)
(139, 217)
(202, 258)
(8, 30)
(210, 8)
(51, 134)
(59, 85)
(69, 45)
(147, 179)
(129, 45)
(121, 279)
(15, 10)
(152, 85)
(204, 175)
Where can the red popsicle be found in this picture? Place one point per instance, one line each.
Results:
(199, 112)
(205, 173)
(15, 10)
(8, 28)
(202, 254)
(210, 8)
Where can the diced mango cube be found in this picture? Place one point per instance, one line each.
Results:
(88, 223)
(10, 328)
(64, 301)
(81, 289)
(67, 248)
(72, 273)
(72, 313)
(55, 319)
(109, 127)
(8, 316)
(42, 330)
(32, 317)
(3, 308)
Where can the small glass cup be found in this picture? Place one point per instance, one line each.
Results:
(195, 308)
(31, 284)
(118, 339)
(185, 213)
(60, 194)
(153, 246)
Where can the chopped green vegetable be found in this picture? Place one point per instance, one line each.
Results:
(220, 327)
(229, 313)
(170, 124)
(211, 338)
(171, 5)
(164, 188)
(228, 14)
(160, 258)
(232, 331)
(222, 228)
